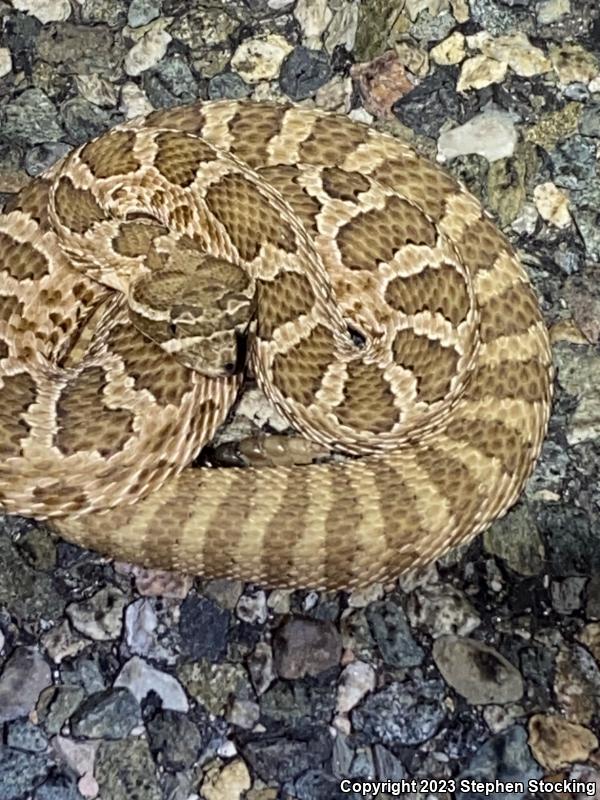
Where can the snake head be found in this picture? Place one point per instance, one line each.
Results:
(200, 314)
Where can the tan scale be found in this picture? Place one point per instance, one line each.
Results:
(385, 315)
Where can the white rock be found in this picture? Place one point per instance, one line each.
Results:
(552, 204)
(356, 680)
(361, 115)
(230, 782)
(552, 10)
(277, 5)
(574, 64)
(140, 626)
(97, 90)
(460, 10)
(518, 53)
(526, 221)
(45, 10)
(147, 52)
(451, 50)
(434, 7)
(140, 678)
(134, 102)
(313, 16)
(5, 61)
(342, 28)
(490, 134)
(480, 71)
(260, 58)
(252, 608)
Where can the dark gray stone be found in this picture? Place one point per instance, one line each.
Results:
(170, 83)
(504, 757)
(59, 787)
(175, 739)
(431, 104)
(42, 156)
(143, 11)
(110, 714)
(24, 735)
(316, 783)
(25, 675)
(392, 633)
(21, 772)
(203, 627)
(228, 85)
(589, 124)
(125, 771)
(303, 71)
(305, 647)
(403, 713)
(84, 120)
(282, 758)
(30, 119)
(387, 766)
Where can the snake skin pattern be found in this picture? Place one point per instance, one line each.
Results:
(387, 318)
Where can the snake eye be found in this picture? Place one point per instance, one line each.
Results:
(358, 338)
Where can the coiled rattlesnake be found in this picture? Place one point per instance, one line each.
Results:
(386, 317)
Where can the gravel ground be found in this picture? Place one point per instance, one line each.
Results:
(124, 684)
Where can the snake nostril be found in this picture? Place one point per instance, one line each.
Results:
(358, 338)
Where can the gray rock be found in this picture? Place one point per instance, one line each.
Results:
(477, 671)
(110, 714)
(305, 647)
(24, 676)
(284, 758)
(31, 119)
(592, 607)
(141, 678)
(228, 85)
(56, 705)
(81, 50)
(21, 772)
(442, 608)
(432, 28)
(58, 787)
(491, 134)
(125, 771)
(170, 83)
(427, 107)
(567, 595)
(516, 540)
(504, 757)
(101, 616)
(392, 633)
(204, 627)
(175, 739)
(303, 71)
(24, 735)
(403, 713)
(30, 594)
(112, 12)
(298, 701)
(143, 11)
(42, 156)
(315, 783)
(387, 766)
(213, 685)
(151, 631)
(84, 120)
(589, 124)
